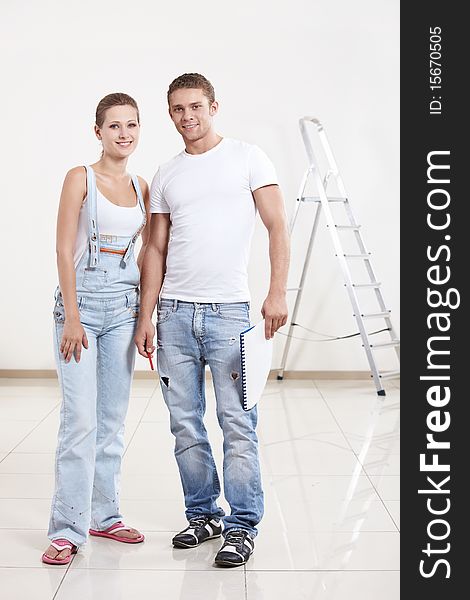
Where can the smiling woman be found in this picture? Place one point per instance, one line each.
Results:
(102, 211)
(109, 129)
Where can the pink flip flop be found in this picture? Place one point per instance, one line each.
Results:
(60, 544)
(111, 532)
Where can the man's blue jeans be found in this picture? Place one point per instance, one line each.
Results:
(189, 336)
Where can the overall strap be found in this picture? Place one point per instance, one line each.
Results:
(93, 234)
(136, 184)
(140, 198)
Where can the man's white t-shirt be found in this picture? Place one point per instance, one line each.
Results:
(212, 212)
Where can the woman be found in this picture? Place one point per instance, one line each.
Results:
(102, 211)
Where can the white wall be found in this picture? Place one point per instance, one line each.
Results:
(271, 63)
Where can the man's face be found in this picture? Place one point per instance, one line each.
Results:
(191, 112)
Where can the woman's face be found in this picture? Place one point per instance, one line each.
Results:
(120, 131)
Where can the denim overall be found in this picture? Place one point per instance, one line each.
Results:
(96, 390)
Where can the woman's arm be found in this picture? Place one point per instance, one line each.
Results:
(71, 199)
(146, 230)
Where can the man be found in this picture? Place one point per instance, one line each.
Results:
(207, 196)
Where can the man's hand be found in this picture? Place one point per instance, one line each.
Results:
(274, 311)
(144, 337)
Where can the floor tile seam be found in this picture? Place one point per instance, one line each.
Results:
(41, 529)
(321, 474)
(147, 530)
(318, 571)
(328, 407)
(37, 568)
(12, 450)
(69, 566)
(21, 420)
(283, 571)
(389, 512)
(135, 430)
(155, 390)
(210, 568)
(344, 435)
(22, 497)
(369, 477)
(362, 465)
(306, 438)
(36, 452)
(276, 499)
(19, 452)
(35, 473)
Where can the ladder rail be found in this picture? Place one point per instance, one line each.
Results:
(342, 189)
(372, 276)
(334, 170)
(298, 203)
(347, 279)
(323, 201)
(300, 290)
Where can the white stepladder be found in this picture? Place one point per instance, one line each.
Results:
(323, 201)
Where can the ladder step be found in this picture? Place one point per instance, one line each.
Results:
(296, 289)
(389, 374)
(373, 284)
(351, 227)
(318, 199)
(390, 344)
(377, 315)
(347, 222)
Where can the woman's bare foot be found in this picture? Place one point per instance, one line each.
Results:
(119, 532)
(59, 552)
(130, 533)
(54, 554)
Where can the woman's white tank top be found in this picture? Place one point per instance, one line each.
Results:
(112, 220)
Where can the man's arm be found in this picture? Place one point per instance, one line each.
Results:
(270, 205)
(145, 232)
(151, 279)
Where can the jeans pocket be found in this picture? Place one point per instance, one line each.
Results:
(95, 279)
(234, 312)
(134, 310)
(163, 314)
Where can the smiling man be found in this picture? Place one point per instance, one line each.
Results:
(204, 203)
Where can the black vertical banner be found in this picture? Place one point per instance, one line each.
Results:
(435, 360)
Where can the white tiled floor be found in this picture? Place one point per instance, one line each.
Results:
(331, 464)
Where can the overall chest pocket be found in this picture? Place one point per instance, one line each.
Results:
(95, 279)
(129, 273)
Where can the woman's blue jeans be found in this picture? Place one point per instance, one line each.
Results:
(95, 399)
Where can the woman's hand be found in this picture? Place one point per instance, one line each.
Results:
(73, 337)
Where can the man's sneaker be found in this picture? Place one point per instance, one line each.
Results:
(236, 549)
(200, 529)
